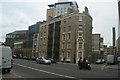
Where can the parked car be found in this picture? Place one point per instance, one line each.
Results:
(27, 58)
(118, 59)
(98, 61)
(24, 57)
(33, 58)
(87, 62)
(43, 60)
(52, 60)
(103, 61)
(14, 56)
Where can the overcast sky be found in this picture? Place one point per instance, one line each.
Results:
(19, 14)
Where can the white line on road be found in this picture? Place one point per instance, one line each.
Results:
(45, 71)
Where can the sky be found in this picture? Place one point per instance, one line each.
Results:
(19, 14)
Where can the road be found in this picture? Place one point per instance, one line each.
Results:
(30, 69)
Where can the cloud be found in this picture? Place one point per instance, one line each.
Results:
(17, 20)
(23, 18)
(19, 14)
(12, 20)
(28, 0)
(56, 0)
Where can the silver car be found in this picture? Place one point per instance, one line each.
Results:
(98, 61)
(43, 60)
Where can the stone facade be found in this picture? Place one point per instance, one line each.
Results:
(49, 39)
(97, 47)
(118, 46)
(66, 37)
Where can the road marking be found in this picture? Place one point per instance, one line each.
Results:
(45, 71)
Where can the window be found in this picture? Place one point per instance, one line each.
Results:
(80, 27)
(69, 28)
(80, 34)
(69, 17)
(44, 34)
(68, 36)
(80, 39)
(68, 45)
(64, 21)
(41, 39)
(13, 36)
(63, 45)
(80, 44)
(63, 29)
(41, 34)
(80, 18)
(44, 39)
(8, 36)
(63, 37)
(79, 54)
(17, 36)
(63, 53)
(68, 54)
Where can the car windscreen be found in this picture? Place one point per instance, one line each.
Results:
(46, 58)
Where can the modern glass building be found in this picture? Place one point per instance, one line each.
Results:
(61, 7)
(31, 31)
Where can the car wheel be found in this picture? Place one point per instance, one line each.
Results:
(80, 67)
(89, 68)
(36, 62)
(8, 70)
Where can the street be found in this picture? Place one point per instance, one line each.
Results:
(30, 69)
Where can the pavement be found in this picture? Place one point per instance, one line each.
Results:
(116, 66)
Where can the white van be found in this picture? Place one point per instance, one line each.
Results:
(7, 61)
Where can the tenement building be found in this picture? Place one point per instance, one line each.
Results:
(76, 36)
(49, 39)
(66, 37)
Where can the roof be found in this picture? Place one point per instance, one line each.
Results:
(71, 3)
(18, 32)
(51, 5)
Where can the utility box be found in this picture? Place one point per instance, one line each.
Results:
(110, 59)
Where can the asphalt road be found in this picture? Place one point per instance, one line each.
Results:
(30, 69)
